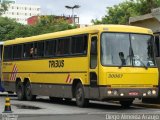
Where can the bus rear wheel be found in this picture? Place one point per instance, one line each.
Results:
(80, 96)
(20, 90)
(126, 104)
(28, 92)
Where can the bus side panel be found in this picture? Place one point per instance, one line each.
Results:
(45, 76)
(56, 89)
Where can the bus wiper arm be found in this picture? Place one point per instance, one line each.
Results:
(145, 66)
(133, 56)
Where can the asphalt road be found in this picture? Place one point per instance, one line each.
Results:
(44, 109)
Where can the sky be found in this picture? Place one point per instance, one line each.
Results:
(89, 9)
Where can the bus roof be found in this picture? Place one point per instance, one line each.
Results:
(90, 29)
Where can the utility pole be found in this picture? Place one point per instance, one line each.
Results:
(72, 8)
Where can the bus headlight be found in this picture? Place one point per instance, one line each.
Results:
(153, 92)
(121, 94)
(144, 94)
(109, 92)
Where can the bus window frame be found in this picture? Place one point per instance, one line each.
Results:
(50, 56)
(21, 51)
(11, 53)
(37, 42)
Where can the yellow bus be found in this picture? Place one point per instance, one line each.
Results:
(102, 62)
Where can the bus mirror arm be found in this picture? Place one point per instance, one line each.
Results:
(121, 56)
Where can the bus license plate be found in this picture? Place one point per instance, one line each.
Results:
(133, 93)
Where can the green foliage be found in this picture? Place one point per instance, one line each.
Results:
(3, 7)
(7, 26)
(10, 29)
(119, 14)
(52, 24)
(145, 6)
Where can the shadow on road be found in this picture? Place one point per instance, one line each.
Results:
(92, 104)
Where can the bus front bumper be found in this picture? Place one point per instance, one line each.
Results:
(106, 92)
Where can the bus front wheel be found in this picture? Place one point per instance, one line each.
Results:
(126, 104)
(80, 96)
(20, 90)
(28, 92)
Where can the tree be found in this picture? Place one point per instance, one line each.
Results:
(51, 23)
(145, 6)
(120, 14)
(3, 7)
(7, 27)
(10, 29)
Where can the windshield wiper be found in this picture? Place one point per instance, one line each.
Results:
(145, 66)
(133, 57)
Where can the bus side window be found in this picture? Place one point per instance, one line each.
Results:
(17, 50)
(31, 52)
(79, 44)
(8, 49)
(50, 48)
(39, 49)
(59, 45)
(35, 50)
(28, 50)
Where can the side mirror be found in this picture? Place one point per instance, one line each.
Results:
(121, 56)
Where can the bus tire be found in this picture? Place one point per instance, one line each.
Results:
(20, 91)
(126, 104)
(81, 101)
(28, 92)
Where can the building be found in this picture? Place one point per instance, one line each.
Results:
(34, 19)
(151, 20)
(21, 12)
(10, 1)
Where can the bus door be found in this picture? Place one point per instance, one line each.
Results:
(93, 71)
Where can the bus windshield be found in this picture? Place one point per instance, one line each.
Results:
(124, 49)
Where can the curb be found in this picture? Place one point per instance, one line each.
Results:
(147, 105)
(141, 104)
(5, 94)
